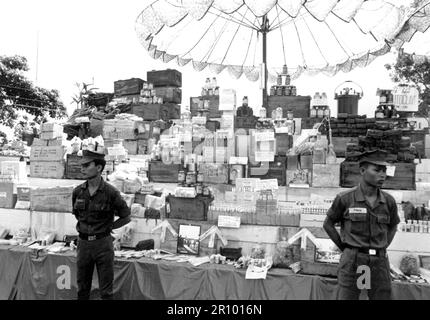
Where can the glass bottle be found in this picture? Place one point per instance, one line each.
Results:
(327, 112)
(324, 99)
(320, 112)
(263, 113)
(316, 101)
(279, 80)
(245, 101)
(214, 83)
(313, 112)
(331, 155)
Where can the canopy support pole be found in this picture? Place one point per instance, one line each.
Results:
(264, 30)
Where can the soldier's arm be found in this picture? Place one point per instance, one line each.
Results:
(334, 215)
(74, 211)
(121, 209)
(394, 221)
(332, 232)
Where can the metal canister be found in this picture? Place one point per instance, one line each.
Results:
(199, 188)
(287, 91)
(181, 177)
(280, 91)
(190, 178)
(293, 91)
(273, 91)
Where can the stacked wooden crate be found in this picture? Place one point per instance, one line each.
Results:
(47, 153)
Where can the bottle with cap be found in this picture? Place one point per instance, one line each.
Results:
(245, 101)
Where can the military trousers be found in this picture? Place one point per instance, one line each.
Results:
(352, 279)
(100, 254)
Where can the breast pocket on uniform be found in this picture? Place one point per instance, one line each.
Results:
(383, 219)
(80, 206)
(358, 217)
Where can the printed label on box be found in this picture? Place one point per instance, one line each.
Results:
(229, 222)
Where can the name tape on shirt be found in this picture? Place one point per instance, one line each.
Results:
(357, 210)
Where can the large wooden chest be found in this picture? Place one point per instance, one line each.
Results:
(165, 78)
(164, 173)
(300, 105)
(128, 87)
(154, 112)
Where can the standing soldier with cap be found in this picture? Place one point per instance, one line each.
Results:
(368, 219)
(95, 204)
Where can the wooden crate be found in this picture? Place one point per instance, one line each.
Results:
(128, 87)
(166, 111)
(73, 167)
(212, 112)
(164, 173)
(300, 105)
(404, 176)
(326, 175)
(54, 153)
(47, 169)
(58, 199)
(165, 78)
(169, 94)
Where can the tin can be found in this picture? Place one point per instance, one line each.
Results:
(287, 91)
(181, 176)
(273, 91)
(199, 188)
(280, 91)
(293, 91)
(190, 178)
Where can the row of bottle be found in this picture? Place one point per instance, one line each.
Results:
(320, 112)
(320, 99)
(283, 91)
(416, 226)
(385, 112)
(210, 88)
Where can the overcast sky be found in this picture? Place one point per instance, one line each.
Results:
(81, 40)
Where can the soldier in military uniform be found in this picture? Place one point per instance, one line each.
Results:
(368, 219)
(95, 204)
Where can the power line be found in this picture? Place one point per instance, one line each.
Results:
(16, 98)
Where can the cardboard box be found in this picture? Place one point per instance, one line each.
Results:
(131, 146)
(7, 198)
(55, 153)
(47, 169)
(326, 175)
(51, 127)
(169, 94)
(49, 135)
(23, 193)
(39, 143)
(16, 169)
(58, 199)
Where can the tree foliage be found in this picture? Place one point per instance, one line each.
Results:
(408, 70)
(19, 93)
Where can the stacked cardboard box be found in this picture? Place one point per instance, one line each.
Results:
(47, 153)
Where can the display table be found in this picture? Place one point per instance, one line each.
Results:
(25, 275)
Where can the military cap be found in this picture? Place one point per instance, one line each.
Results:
(377, 157)
(89, 156)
